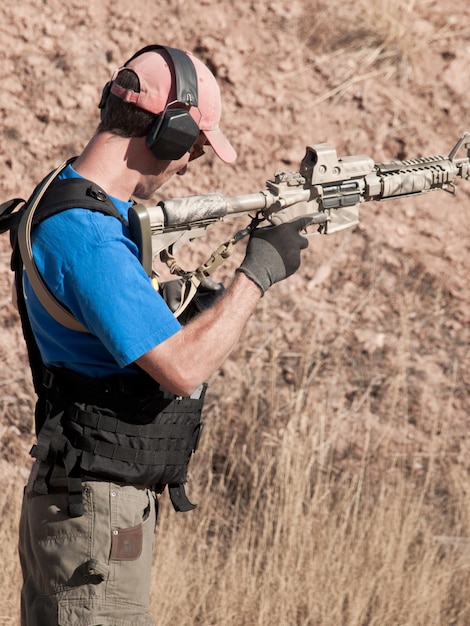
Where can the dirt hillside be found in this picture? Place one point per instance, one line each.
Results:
(385, 79)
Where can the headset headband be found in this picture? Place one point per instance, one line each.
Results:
(185, 73)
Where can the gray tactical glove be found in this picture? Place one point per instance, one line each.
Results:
(273, 253)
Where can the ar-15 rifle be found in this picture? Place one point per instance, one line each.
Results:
(326, 188)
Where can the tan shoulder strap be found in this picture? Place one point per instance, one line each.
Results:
(58, 312)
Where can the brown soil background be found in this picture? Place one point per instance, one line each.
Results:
(386, 79)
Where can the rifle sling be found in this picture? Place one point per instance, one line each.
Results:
(51, 197)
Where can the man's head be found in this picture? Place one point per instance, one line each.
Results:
(166, 95)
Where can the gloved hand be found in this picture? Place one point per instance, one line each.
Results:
(273, 253)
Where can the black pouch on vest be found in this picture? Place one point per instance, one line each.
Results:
(134, 448)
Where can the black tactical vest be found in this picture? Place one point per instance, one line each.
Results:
(124, 429)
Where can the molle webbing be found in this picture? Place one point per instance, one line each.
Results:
(149, 443)
(156, 444)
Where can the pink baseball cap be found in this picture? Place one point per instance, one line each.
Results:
(156, 75)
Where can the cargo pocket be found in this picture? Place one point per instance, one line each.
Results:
(61, 544)
(102, 613)
(133, 519)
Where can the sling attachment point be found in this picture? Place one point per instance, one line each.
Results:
(193, 280)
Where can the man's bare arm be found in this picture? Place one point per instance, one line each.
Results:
(192, 355)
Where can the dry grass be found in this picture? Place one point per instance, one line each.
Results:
(306, 540)
(341, 497)
(378, 39)
(10, 503)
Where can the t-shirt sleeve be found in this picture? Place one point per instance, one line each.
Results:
(114, 298)
(103, 284)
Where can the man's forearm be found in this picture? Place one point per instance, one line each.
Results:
(191, 356)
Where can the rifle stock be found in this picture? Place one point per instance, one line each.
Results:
(327, 188)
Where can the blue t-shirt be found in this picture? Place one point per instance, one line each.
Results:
(92, 267)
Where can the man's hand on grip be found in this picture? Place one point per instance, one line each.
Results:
(273, 253)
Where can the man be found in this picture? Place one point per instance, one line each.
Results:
(119, 404)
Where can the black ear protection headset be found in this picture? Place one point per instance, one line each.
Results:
(174, 131)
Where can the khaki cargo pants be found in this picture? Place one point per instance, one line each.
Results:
(89, 570)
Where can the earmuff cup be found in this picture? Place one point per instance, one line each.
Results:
(172, 135)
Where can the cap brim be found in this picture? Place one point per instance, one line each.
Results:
(221, 145)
